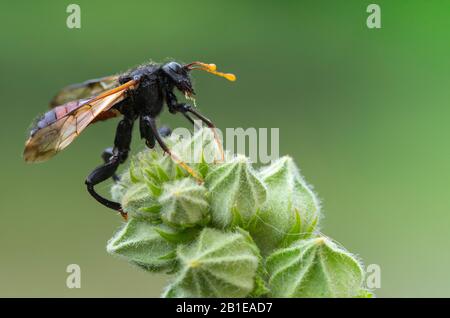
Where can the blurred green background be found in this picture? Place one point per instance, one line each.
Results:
(363, 112)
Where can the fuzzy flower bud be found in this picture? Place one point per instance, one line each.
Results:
(183, 203)
(240, 233)
(217, 264)
(236, 193)
(314, 267)
(139, 243)
(291, 210)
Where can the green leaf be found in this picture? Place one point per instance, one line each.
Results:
(293, 234)
(176, 236)
(314, 267)
(291, 210)
(217, 264)
(139, 243)
(154, 188)
(153, 209)
(236, 192)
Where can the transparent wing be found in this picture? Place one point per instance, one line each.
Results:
(85, 90)
(61, 125)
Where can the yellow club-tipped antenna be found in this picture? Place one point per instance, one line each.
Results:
(210, 68)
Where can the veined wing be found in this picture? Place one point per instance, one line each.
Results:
(84, 90)
(62, 124)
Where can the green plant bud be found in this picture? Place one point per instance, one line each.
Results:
(138, 201)
(139, 243)
(291, 211)
(183, 203)
(315, 267)
(156, 158)
(273, 211)
(216, 264)
(236, 193)
(155, 167)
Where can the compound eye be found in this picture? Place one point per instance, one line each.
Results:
(175, 67)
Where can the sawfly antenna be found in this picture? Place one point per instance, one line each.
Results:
(210, 68)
